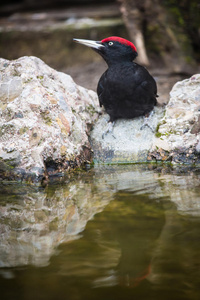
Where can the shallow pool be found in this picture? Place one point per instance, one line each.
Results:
(112, 232)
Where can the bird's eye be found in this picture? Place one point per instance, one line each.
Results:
(110, 43)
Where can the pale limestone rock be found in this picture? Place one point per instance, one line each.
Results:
(179, 130)
(127, 143)
(45, 117)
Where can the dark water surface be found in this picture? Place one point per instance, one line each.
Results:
(116, 232)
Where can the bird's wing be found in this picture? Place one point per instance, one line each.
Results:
(150, 86)
(145, 81)
(100, 87)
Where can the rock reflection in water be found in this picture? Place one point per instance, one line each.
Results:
(34, 222)
(148, 235)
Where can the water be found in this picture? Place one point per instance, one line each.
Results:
(115, 232)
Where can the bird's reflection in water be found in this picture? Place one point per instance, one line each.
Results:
(136, 227)
(126, 239)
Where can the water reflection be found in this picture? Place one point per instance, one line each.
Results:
(144, 243)
(34, 222)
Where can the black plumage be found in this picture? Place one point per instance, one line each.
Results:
(126, 89)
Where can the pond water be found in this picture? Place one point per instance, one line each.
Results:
(112, 232)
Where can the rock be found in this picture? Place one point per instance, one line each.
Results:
(178, 134)
(45, 120)
(127, 143)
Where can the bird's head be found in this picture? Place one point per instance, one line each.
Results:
(113, 49)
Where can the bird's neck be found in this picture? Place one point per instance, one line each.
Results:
(117, 63)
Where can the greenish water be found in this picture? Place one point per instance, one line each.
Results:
(115, 232)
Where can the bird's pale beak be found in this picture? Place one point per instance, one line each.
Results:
(93, 44)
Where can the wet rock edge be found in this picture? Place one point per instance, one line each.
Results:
(53, 171)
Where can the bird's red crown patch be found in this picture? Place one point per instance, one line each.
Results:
(120, 40)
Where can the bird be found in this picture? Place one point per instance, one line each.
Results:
(126, 89)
